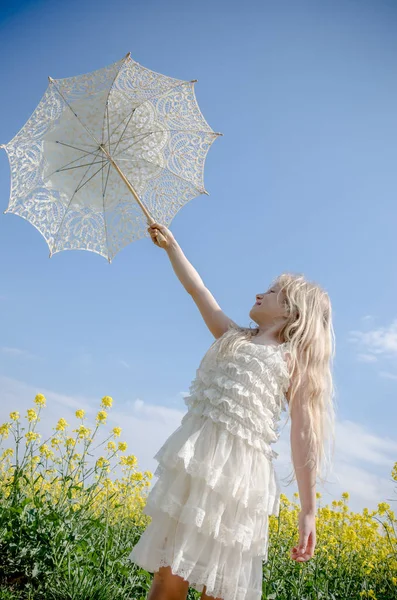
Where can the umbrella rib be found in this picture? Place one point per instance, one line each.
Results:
(108, 123)
(96, 172)
(121, 137)
(133, 143)
(177, 130)
(78, 166)
(162, 130)
(75, 114)
(74, 147)
(107, 100)
(104, 214)
(65, 169)
(70, 201)
(78, 186)
(116, 128)
(103, 158)
(146, 100)
(166, 169)
(107, 178)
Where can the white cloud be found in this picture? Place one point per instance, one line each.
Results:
(17, 352)
(366, 358)
(388, 375)
(120, 362)
(382, 340)
(356, 443)
(123, 363)
(377, 346)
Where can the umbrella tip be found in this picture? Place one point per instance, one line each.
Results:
(193, 80)
(128, 55)
(50, 79)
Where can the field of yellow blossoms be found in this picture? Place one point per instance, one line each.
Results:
(71, 510)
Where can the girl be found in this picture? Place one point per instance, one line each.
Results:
(216, 480)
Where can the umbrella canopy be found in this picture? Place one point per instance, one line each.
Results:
(106, 153)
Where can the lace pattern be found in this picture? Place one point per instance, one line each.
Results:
(245, 391)
(226, 572)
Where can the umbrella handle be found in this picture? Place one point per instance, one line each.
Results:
(162, 242)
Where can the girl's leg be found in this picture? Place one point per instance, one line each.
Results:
(167, 586)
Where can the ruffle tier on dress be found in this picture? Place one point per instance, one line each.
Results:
(216, 481)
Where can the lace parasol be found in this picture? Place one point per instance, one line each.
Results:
(105, 154)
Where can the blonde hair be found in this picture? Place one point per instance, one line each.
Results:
(310, 335)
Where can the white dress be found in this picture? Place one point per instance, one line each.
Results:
(216, 481)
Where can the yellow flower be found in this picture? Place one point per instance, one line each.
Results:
(31, 414)
(107, 402)
(112, 446)
(83, 432)
(31, 436)
(14, 415)
(130, 460)
(44, 449)
(61, 425)
(102, 462)
(80, 413)
(117, 431)
(55, 442)
(8, 452)
(101, 416)
(122, 446)
(383, 507)
(40, 400)
(70, 441)
(5, 429)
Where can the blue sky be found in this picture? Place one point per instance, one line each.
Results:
(303, 180)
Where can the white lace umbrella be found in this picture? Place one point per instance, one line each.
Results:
(107, 153)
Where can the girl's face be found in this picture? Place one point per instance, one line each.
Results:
(268, 306)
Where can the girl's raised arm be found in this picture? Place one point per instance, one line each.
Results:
(215, 319)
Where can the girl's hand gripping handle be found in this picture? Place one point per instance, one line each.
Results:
(161, 235)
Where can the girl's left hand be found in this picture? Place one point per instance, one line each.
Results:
(307, 538)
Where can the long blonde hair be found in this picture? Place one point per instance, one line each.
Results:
(310, 335)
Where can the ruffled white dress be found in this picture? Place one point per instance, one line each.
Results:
(216, 481)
